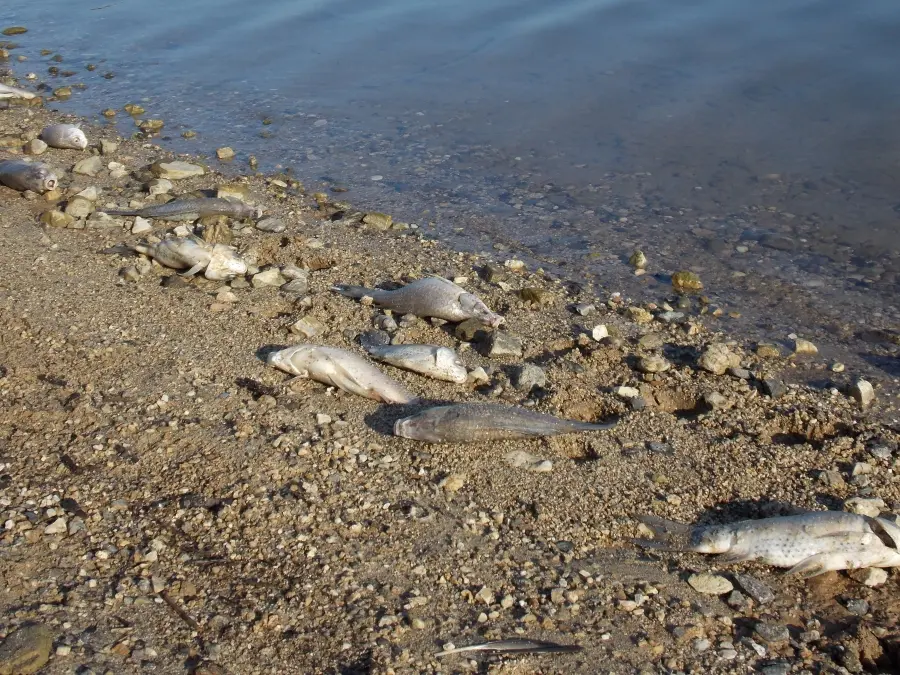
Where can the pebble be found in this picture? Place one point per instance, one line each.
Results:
(89, 166)
(710, 584)
(802, 346)
(79, 207)
(271, 224)
(670, 317)
(653, 363)
(599, 332)
(872, 577)
(755, 588)
(774, 387)
(778, 668)
(863, 506)
(141, 225)
(176, 170)
(452, 483)
(740, 373)
(718, 358)
(225, 153)
(505, 344)
(519, 459)
(832, 479)
(858, 606)
(528, 376)
(378, 221)
(626, 392)
(716, 401)
(638, 260)
(269, 277)
(35, 147)
(771, 632)
(90, 193)
(25, 651)
(130, 273)
(585, 309)
(296, 287)
(309, 327)
(159, 186)
(55, 218)
(108, 147)
(651, 341)
(639, 315)
(58, 526)
(767, 350)
(863, 393)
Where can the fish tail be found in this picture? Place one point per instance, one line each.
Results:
(593, 426)
(668, 534)
(353, 291)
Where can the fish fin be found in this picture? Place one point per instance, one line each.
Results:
(515, 646)
(352, 291)
(810, 567)
(734, 558)
(669, 535)
(191, 272)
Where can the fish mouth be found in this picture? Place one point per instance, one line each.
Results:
(50, 184)
(400, 427)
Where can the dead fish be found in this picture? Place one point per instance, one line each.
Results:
(217, 261)
(342, 369)
(809, 544)
(515, 646)
(477, 422)
(64, 136)
(441, 363)
(12, 92)
(430, 297)
(20, 174)
(192, 209)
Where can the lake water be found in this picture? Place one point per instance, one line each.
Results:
(755, 142)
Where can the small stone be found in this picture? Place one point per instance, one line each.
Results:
(638, 260)
(55, 218)
(269, 277)
(378, 221)
(183, 231)
(271, 224)
(626, 392)
(519, 459)
(89, 166)
(468, 330)
(58, 526)
(858, 606)
(141, 225)
(718, 358)
(871, 507)
(686, 281)
(638, 403)
(90, 193)
(710, 584)
(651, 341)
(150, 126)
(239, 191)
(176, 170)
(863, 393)
(740, 373)
(871, 577)
(585, 309)
(492, 273)
(25, 651)
(309, 327)
(837, 367)
(35, 147)
(108, 147)
(536, 296)
(505, 344)
(62, 92)
(804, 347)
(515, 265)
(159, 186)
(453, 483)
(700, 645)
(599, 332)
(832, 479)
(639, 315)
(652, 363)
(226, 295)
(770, 633)
(777, 668)
(130, 273)
(15, 30)
(670, 317)
(478, 376)
(225, 153)
(528, 376)
(767, 350)
(79, 207)
(716, 401)
(774, 387)
(738, 601)
(755, 588)
(298, 287)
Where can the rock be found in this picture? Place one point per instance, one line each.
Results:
(858, 606)
(718, 358)
(776, 668)
(239, 191)
(685, 281)
(79, 207)
(386, 323)
(26, 651)
(176, 170)
(505, 344)
(108, 147)
(90, 193)
(740, 373)
(767, 350)
(35, 147)
(738, 601)
(770, 633)
(710, 584)
(638, 260)
(639, 315)
(130, 273)
(225, 153)
(638, 403)
(159, 186)
(779, 242)
(755, 588)
(98, 219)
(716, 401)
(141, 225)
(378, 221)
(296, 287)
(653, 363)
(651, 341)
(55, 218)
(269, 277)
(58, 526)
(150, 126)
(863, 506)
(584, 309)
(519, 459)
(452, 483)
(492, 273)
(626, 392)
(871, 577)
(478, 376)
(528, 376)
(271, 224)
(832, 479)
(468, 330)
(599, 332)
(774, 387)
(863, 393)
(536, 296)
(806, 347)
(670, 317)
(309, 327)
(89, 166)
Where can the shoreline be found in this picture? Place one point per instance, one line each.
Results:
(301, 536)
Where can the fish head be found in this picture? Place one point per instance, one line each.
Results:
(715, 539)
(290, 360)
(473, 306)
(418, 427)
(257, 212)
(78, 139)
(447, 361)
(43, 177)
(224, 263)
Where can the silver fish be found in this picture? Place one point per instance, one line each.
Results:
(217, 261)
(64, 136)
(13, 92)
(809, 544)
(515, 646)
(342, 369)
(430, 297)
(477, 422)
(20, 174)
(192, 209)
(441, 363)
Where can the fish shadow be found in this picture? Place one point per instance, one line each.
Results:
(265, 351)
(887, 363)
(746, 509)
(383, 418)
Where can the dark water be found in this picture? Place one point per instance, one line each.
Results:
(756, 142)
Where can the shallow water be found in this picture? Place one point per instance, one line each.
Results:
(758, 143)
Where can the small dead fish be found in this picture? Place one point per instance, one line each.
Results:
(342, 369)
(64, 136)
(430, 297)
(515, 646)
(192, 209)
(809, 544)
(441, 363)
(217, 261)
(12, 92)
(20, 174)
(478, 422)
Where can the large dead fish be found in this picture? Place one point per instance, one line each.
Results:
(430, 297)
(217, 261)
(12, 92)
(342, 369)
(20, 174)
(441, 363)
(64, 137)
(809, 544)
(478, 422)
(193, 209)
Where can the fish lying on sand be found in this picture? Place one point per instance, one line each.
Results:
(429, 297)
(12, 92)
(64, 136)
(192, 209)
(809, 544)
(477, 422)
(217, 261)
(515, 646)
(342, 369)
(441, 363)
(20, 174)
